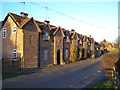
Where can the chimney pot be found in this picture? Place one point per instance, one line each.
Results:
(72, 30)
(47, 22)
(23, 14)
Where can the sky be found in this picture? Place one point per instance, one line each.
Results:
(98, 19)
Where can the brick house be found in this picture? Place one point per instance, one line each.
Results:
(20, 39)
(36, 43)
(39, 44)
(73, 46)
(51, 44)
(106, 45)
(66, 47)
(45, 49)
(58, 36)
(90, 47)
(85, 40)
(80, 47)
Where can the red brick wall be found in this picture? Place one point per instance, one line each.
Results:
(30, 50)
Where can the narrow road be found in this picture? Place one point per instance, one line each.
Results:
(75, 75)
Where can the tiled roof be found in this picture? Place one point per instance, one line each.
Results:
(1, 24)
(53, 29)
(18, 18)
(21, 21)
(66, 32)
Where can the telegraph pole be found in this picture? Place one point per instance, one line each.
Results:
(46, 12)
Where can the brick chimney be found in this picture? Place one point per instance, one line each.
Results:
(72, 30)
(46, 22)
(23, 14)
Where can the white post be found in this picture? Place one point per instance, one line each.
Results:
(0, 44)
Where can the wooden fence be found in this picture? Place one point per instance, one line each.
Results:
(116, 78)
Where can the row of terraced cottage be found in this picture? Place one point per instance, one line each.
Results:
(39, 44)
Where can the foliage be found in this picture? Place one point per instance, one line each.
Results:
(11, 74)
(114, 51)
(72, 52)
(104, 40)
(117, 42)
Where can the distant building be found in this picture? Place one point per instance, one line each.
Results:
(107, 45)
(66, 47)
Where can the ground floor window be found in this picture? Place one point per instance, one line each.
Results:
(66, 53)
(14, 53)
(45, 54)
(4, 33)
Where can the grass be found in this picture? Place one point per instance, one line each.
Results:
(110, 59)
(103, 84)
(114, 51)
(11, 74)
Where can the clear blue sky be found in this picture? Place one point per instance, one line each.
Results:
(99, 19)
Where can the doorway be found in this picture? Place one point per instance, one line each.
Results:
(83, 52)
(58, 56)
(39, 50)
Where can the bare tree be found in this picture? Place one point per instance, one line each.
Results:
(117, 42)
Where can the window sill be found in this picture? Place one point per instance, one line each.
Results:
(45, 40)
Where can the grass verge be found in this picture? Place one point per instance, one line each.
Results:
(103, 84)
(11, 74)
(114, 51)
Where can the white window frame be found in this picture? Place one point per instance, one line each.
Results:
(14, 52)
(4, 33)
(66, 53)
(46, 36)
(80, 41)
(67, 39)
(89, 43)
(14, 29)
(45, 55)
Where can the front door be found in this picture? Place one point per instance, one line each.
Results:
(83, 51)
(39, 50)
(58, 56)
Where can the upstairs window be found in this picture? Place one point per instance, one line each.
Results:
(14, 53)
(80, 42)
(89, 43)
(14, 28)
(46, 36)
(30, 39)
(4, 33)
(66, 53)
(67, 39)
